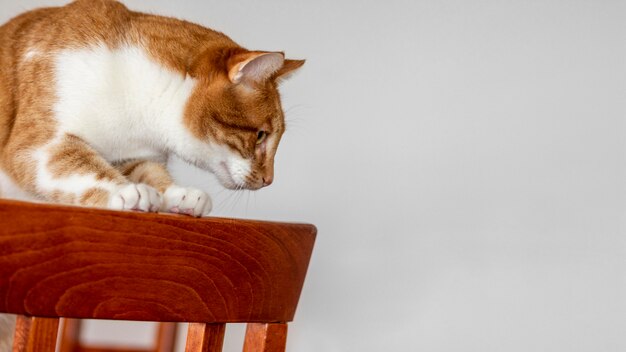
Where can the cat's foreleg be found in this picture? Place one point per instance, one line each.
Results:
(176, 199)
(68, 170)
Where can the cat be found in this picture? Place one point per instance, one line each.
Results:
(95, 97)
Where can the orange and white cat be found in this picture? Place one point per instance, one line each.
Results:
(94, 98)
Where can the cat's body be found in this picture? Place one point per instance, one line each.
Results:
(94, 98)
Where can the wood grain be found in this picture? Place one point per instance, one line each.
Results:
(70, 335)
(22, 330)
(34, 334)
(166, 337)
(89, 263)
(205, 337)
(265, 338)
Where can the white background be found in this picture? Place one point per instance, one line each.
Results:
(464, 163)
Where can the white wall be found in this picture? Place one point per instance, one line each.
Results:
(464, 162)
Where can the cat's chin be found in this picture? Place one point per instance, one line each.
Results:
(226, 179)
(230, 184)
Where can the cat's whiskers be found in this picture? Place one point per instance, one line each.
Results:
(294, 123)
(248, 201)
(294, 107)
(238, 193)
(220, 192)
(224, 202)
(231, 200)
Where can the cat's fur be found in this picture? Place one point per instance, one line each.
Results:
(94, 98)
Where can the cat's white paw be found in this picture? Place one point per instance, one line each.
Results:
(185, 200)
(136, 196)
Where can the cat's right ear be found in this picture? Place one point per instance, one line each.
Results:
(254, 66)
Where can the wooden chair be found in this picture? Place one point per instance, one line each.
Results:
(67, 262)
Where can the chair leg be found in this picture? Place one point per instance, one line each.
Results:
(265, 337)
(166, 337)
(70, 335)
(34, 334)
(205, 337)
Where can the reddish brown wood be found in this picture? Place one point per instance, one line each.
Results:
(205, 337)
(22, 329)
(34, 334)
(70, 335)
(265, 337)
(166, 337)
(88, 263)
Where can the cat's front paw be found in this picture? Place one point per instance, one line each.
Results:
(136, 196)
(185, 200)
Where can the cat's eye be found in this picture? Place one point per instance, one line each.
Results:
(260, 137)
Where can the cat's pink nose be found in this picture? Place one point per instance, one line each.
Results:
(267, 180)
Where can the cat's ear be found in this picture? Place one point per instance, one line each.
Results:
(289, 68)
(254, 66)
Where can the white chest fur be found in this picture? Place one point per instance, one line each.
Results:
(121, 101)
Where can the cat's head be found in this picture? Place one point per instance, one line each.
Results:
(236, 110)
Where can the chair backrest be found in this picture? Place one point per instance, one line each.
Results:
(86, 263)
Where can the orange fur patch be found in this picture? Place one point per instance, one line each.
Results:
(151, 173)
(95, 197)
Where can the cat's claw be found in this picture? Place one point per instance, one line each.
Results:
(185, 200)
(139, 197)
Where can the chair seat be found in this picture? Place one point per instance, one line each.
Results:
(71, 262)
